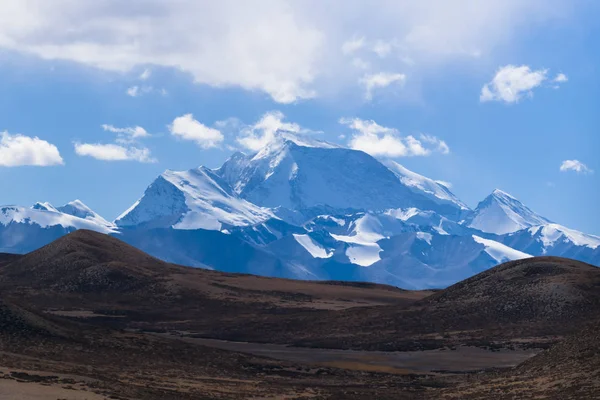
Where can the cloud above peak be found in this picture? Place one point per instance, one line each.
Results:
(264, 131)
(380, 141)
(20, 150)
(186, 127)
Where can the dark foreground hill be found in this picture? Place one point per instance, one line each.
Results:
(104, 319)
(568, 370)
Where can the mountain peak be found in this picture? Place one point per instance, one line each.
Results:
(44, 206)
(502, 194)
(77, 208)
(502, 213)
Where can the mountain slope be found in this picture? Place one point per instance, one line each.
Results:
(76, 208)
(423, 185)
(194, 199)
(299, 175)
(25, 229)
(501, 213)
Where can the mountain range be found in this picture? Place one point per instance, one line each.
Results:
(306, 209)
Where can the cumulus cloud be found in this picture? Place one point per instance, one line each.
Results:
(575, 165)
(128, 134)
(511, 83)
(19, 150)
(284, 48)
(133, 91)
(381, 141)
(187, 128)
(113, 152)
(125, 148)
(560, 78)
(136, 91)
(255, 137)
(380, 80)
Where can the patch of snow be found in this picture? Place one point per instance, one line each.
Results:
(312, 247)
(363, 249)
(500, 252)
(425, 236)
(403, 215)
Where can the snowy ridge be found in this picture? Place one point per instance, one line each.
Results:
(299, 173)
(78, 209)
(423, 184)
(500, 252)
(550, 234)
(49, 218)
(194, 199)
(501, 213)
(362, 241)
(314, 248)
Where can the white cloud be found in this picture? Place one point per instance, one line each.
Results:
(380, 80)
(511, 83)
(187, 128)
(134, 132)
(353, 45)
(19, 150)
(133, 91)
(126, 147)
(127, 135)
(575, 165)
(284, 48)
(145, 74)
(255, 137)
(381, 141)
(113, 152)
(560, 78)
(440, 145)
(381, 48)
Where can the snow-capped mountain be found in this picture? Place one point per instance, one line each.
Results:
(302, 208)
(425, 186)
(501, 213)
(25, 229)
(555, 240)
(76, 208)
(299, 175)
(194, 199)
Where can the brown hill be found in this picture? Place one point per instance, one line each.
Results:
(87, 273)
(542, 298)
(92, 306)
(568, 370)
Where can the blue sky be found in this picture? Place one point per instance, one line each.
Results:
(393, 73)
